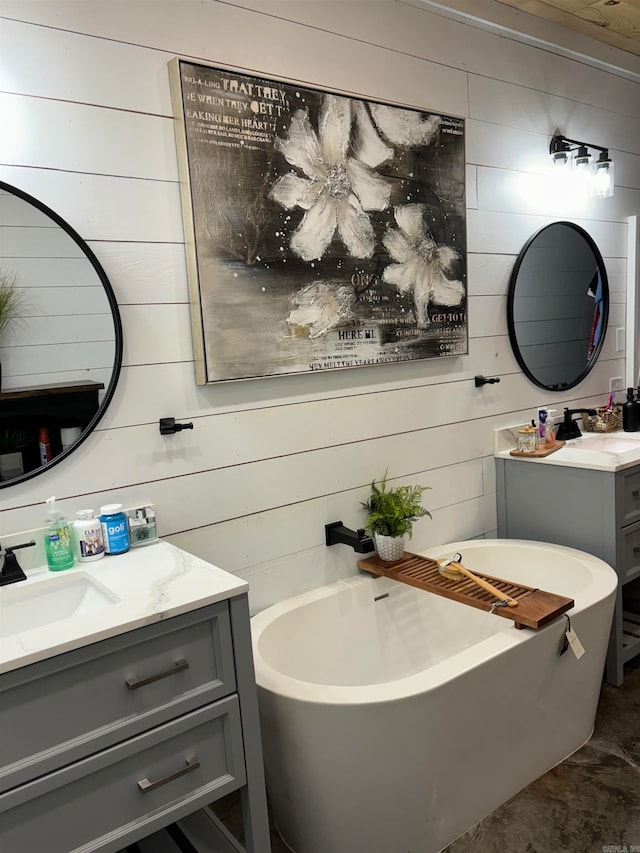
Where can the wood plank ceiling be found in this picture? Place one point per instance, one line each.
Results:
(614, 22)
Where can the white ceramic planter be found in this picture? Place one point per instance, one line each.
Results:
(389, 548)
(11, 465)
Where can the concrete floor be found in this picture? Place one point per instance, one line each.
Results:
(588, 804)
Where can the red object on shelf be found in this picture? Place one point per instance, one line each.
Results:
(44, 445)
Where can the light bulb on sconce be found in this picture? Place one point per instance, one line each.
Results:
(567, 153)
(559, 150)
(603, 176)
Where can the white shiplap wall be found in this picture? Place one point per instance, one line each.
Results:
(86, 127)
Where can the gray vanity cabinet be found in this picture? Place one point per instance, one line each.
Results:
(594, 511)
(103, 745)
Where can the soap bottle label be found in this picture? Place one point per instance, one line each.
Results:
(58, 549)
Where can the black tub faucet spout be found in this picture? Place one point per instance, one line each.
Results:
(336, 533)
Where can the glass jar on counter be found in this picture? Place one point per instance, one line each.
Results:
(528, 439)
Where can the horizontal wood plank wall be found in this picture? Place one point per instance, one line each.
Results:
(87, 128)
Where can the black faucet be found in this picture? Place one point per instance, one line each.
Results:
(569, 428)
(336, 533)
(11, 571)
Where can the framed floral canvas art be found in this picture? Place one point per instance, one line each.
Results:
(323, 231)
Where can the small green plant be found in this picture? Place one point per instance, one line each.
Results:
(12, 440)
(393, 511)
(13, 300)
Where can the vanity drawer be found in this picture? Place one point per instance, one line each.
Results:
(631, 498)
(130, 790)
(112, 690)
(628, 564)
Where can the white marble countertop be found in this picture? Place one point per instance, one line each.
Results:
(134, 589)
(610, 451)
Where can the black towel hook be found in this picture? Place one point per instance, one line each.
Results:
(484, 380)
(168, 426)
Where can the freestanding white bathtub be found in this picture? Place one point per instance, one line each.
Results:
(393, 719)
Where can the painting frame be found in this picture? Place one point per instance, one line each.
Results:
(323, 231)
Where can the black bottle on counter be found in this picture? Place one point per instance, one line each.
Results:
(630, 413)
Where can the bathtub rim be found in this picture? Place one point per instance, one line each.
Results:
(604, 582)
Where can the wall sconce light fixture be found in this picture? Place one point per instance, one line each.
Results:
(568, 153)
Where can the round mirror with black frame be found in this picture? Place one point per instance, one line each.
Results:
(558, 306)
(60, 338)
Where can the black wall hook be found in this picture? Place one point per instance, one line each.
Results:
(168, 426)
(484, 380)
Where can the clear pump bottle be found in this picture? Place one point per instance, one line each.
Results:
(550, 432)
(57, 540)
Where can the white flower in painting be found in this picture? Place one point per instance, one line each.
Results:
(368, 146)
(336, 190)
(421, 263)
(322, 306)
(404, 127)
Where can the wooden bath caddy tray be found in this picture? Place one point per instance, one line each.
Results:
(535, 606)
(539, 452)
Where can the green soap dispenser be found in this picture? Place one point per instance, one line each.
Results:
(57, 540)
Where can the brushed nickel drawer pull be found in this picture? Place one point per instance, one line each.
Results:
(179, 666)
(144, 785)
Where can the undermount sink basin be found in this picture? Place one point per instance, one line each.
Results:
(609, 443)
(50, 600)
(602, 449)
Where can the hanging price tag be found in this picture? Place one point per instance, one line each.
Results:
(576, 646)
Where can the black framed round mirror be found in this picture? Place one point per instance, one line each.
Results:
(558, 306)
(60, 338)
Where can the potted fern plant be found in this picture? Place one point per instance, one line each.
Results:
(13, 303)
(391, 513)
(12, 443)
